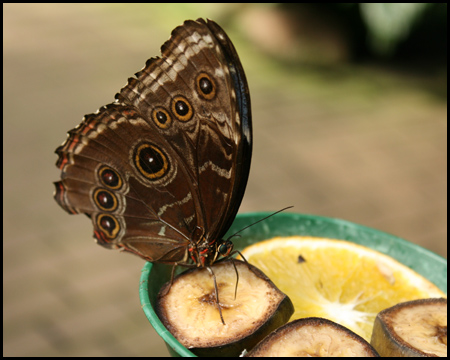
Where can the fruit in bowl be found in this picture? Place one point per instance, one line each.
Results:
(427, 264)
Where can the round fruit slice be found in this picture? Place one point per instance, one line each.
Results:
(338, 280)
(413, 328)
(189, 309)
(313, 337)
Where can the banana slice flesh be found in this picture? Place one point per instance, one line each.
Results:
(313, 337)
(413, 328)
(189, 309)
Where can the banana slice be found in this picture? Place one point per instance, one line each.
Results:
(413, 328)
(189, 309)
(313, 337)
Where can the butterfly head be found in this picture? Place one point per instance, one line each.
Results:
(207, 253)
(225, 248)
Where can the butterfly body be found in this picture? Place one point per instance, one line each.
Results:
(162, 171)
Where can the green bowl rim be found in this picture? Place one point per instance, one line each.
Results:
(181, 350)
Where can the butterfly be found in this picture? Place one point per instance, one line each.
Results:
(161, 171)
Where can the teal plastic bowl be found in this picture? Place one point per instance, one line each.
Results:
(428, 264)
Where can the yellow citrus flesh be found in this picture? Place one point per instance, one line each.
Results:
(338, 280)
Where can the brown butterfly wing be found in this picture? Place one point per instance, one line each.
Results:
(98, 180)
(168, 162)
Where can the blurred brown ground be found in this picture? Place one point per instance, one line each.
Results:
(361, 144)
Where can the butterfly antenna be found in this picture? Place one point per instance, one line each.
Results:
(276, 212)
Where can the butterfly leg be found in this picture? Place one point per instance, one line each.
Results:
(171, 280)
(217, 294)
(237, 277)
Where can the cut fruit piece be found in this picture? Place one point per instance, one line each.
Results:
(313, 337)
(413, 328)
(189, 309)
(338, 280)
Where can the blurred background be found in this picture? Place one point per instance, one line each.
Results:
(349, 115)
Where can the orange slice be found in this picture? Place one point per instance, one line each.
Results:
(338, 280)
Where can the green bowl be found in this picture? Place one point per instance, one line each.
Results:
(423, 261)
